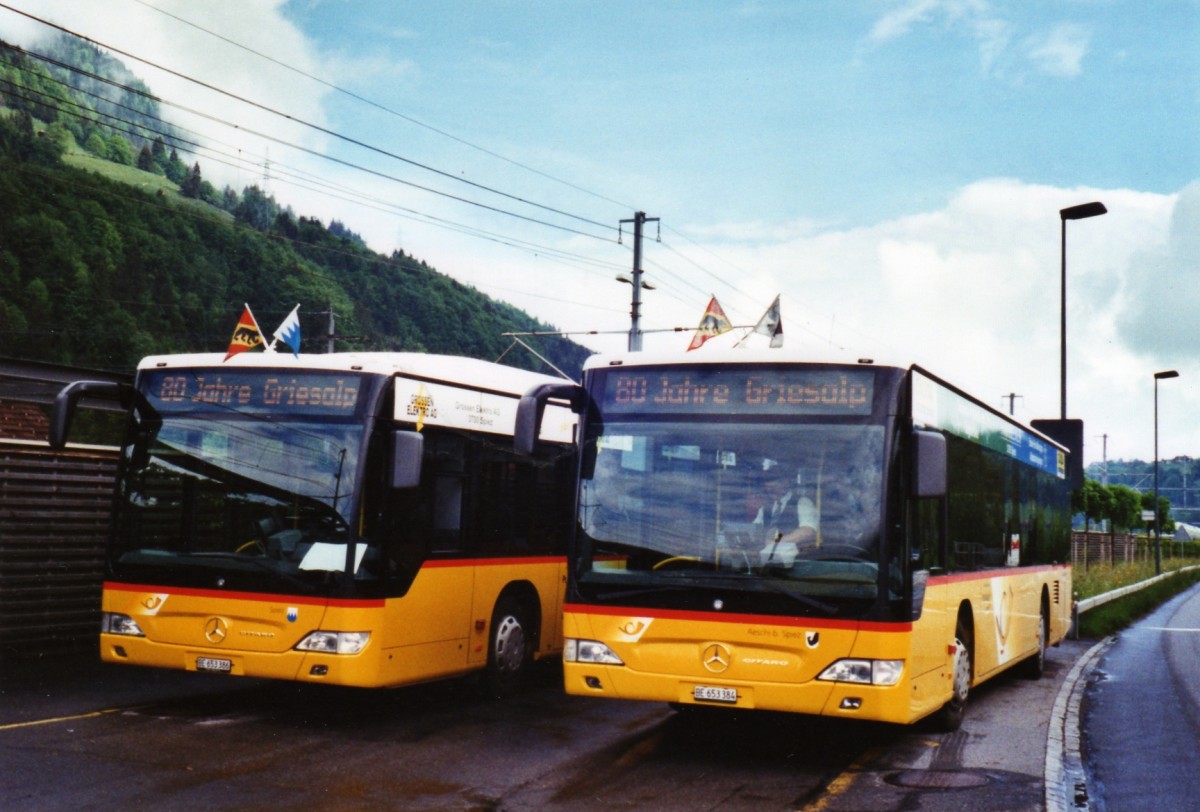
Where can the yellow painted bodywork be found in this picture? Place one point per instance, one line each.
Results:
(440, 628)
(773, 662)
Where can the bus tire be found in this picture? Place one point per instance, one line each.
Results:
(951, 715)
(1035, 666)
(509, 648)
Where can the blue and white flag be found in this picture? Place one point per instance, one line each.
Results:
(289, 331)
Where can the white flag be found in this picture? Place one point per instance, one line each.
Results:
(289, 331)
(771, 325)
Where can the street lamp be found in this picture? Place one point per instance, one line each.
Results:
(1158, 376)
(1079, 212)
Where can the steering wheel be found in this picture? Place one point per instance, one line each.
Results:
(675, 559)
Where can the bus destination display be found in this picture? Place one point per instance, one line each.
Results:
(740, 391)
(276, 391)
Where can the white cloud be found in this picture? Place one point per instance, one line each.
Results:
(902, 19)
(1059, 51)
(972, 292)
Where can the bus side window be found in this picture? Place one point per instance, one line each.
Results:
(926, 533)
(445, 461)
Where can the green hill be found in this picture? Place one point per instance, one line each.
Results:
(111, 248)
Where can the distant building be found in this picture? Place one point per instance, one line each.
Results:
(1186, 532)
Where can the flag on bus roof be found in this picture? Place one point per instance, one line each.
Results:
(771, 325)
(289, 332)
(246, 336)
(713, 323)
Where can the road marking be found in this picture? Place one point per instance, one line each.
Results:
(57, 719)
(842, 782)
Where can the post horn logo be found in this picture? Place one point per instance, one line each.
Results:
(716, 658)
(216, 630)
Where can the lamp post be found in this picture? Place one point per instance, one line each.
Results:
(1158, 376)
(1080, 212)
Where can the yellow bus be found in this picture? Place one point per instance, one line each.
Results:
(350, 519)
(844, 539)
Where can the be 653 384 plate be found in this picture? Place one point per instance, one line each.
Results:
(709, 693)
(213, 664)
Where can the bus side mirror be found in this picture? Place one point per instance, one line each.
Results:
(66, 401)
(929, 464)
(408, 450)
(530, 409)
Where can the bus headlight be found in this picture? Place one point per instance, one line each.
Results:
(864, 672)
(334, 642)
(116, 623)
(589, 651)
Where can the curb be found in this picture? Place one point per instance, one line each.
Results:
(1065, 777)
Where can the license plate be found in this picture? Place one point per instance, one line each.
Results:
(707, 693)
(211, 664)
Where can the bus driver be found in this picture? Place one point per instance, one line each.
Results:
(789, 519)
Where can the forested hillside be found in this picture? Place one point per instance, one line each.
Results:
(112, 247)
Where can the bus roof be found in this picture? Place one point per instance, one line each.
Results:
(446, 368)
(728, 355)
(767, 355)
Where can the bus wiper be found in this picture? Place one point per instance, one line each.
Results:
(262, 564)
(834, 578)
(734, 581)
(820, 606)
(645, 590)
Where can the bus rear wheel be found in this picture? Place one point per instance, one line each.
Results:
(1035, 666)
(950, 717)
(509, 649)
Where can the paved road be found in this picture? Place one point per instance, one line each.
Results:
(1141, 719)
(88, 735)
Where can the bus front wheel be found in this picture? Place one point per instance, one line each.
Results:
(508, 648)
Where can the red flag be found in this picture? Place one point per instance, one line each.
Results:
(713, 323)
(246, 336)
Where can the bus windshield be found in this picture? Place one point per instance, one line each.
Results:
(213, 491)
(762, 507)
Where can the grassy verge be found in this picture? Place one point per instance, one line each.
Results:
(1116, 615)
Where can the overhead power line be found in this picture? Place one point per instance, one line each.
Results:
(307, 150)
(477, 233)
(313, 126)
(382, 107)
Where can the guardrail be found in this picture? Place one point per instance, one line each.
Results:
(1099, 600)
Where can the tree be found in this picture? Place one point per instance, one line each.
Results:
(1125, 507)
(1094, 501)
(1165, 523)
(191, 184)
(145, 161)
(257, 209)
(176, 169)
(119, 150)
(95, 145)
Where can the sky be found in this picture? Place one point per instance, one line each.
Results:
(892, 169)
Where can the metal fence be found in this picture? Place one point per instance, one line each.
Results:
(1105, 549)
(55, 510)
